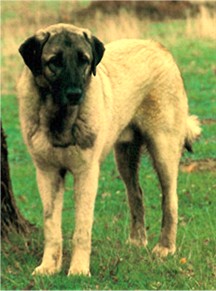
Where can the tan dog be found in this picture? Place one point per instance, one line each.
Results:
(73, 113)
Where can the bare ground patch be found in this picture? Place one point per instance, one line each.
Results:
(208, 121)
(208, 164)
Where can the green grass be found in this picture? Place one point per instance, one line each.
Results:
(114, 264)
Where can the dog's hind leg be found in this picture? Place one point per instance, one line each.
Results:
(127, 156)
(166, 151)
(51, 188)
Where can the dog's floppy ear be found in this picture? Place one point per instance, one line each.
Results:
(98, 51)
(31, 51)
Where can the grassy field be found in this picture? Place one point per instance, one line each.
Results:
(114, 264)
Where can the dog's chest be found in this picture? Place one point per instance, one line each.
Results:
(48, 156)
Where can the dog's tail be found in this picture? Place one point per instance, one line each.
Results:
(193, 131)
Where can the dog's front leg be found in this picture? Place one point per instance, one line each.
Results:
(85, 193)
(51, 188)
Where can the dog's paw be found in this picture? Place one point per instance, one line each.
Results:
(161, 251)
(79, 271)
(137, 242)
(80, 262)
(45, 270)
(138, 236)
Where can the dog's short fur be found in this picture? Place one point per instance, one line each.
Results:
(77, 100)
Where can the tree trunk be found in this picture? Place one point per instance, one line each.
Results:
(11, 218)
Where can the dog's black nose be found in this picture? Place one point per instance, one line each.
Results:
(74, 96)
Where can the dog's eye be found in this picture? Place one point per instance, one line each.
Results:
(55, 62)
(83, 58)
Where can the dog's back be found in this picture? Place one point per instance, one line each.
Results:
(146, 86)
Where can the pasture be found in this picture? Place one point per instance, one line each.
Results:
(115, 265)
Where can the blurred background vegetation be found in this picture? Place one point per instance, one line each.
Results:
(110, 20)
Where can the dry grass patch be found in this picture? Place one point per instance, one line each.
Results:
(113, 27)
(203, 25)
(22, 18)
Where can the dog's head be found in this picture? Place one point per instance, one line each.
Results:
(62, 57)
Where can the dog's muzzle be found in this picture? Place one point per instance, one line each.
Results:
(74, 96)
